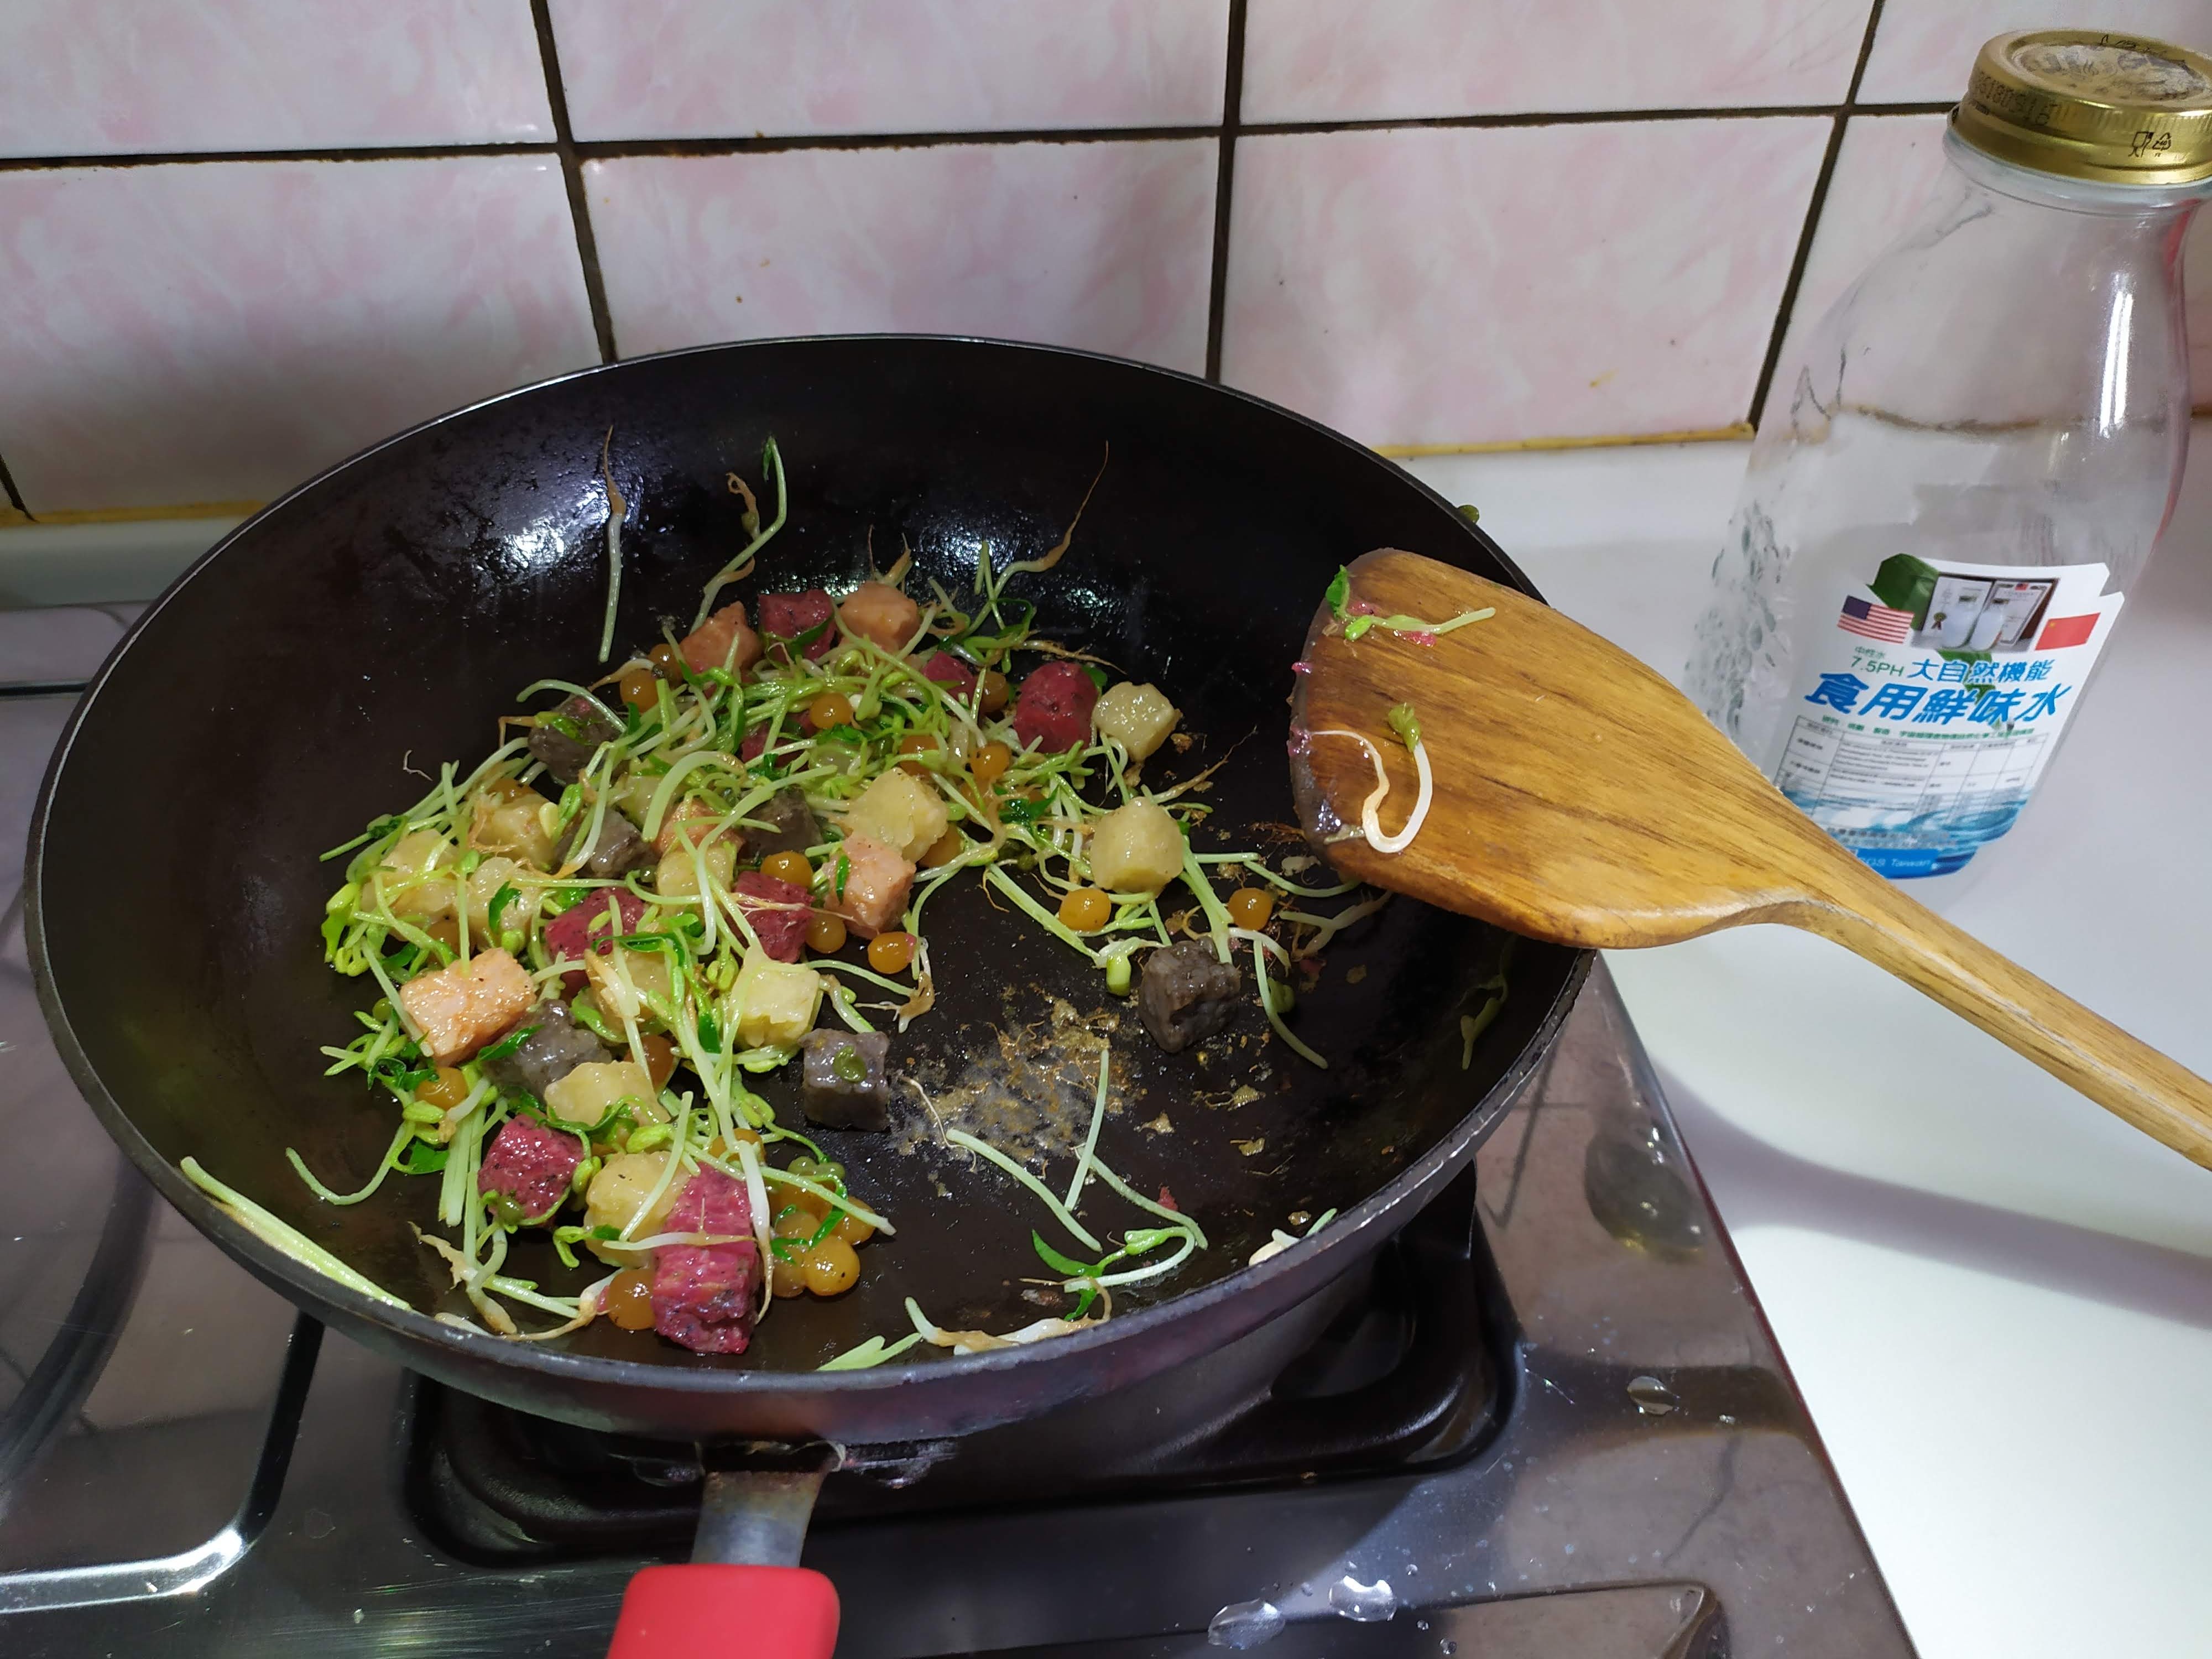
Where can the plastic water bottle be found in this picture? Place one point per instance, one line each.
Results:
(1965, 470)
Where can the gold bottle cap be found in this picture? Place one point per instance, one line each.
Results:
(2081, 104)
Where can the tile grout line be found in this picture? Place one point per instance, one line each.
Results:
(1572, 118)
(195, 157)
(1232, 109)
(1814, 210)
(572, 174)
(771, 144)
(620, 148)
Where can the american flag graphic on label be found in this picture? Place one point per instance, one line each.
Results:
(1875, 621)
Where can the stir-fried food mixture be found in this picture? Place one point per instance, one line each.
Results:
(717, 862)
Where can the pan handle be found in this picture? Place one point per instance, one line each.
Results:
(713, 1610)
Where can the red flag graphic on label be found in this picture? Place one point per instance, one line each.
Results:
(2061, 631)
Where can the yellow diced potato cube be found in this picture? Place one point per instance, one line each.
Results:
(631, 984)
(591, 1091)
(511, 820)
(774, 1003)
(1138, 717)
(688, 822)
(483, 885)
(1137, 848)
(412, 879)
(677, 875)
(900, 811)
(617, 1194)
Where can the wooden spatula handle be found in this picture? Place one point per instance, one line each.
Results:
(2165, 1101)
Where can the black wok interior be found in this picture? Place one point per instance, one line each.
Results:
(386, 615)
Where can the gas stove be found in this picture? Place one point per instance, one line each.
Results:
(1550, 1419)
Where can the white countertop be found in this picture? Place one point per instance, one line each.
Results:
(1995, 1296)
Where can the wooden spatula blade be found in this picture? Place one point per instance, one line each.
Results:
(1595, 805)
(1580, 797)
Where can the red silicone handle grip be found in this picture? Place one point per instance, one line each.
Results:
(710, 1611)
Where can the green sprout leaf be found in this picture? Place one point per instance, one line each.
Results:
(1066, 1265)
(507, 1044)
(422, 1158)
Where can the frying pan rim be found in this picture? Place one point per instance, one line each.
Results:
(311, 1289)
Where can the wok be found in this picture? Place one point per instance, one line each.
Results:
(383, 615)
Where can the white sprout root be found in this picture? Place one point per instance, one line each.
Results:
(984, 1341)
(1370, 820)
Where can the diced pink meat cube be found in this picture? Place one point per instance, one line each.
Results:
(703, 1295)
(725, 641)
(876, 879)
(460, 1008)
(782, 932)
(948, 672)
(881, 615)
(786, 616)
(531, 1164)
(570, 934)
(1054, 710)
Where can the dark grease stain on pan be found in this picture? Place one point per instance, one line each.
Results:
(387, 613)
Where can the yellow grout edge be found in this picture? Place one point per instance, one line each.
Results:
(134, 514)
(1611, 440)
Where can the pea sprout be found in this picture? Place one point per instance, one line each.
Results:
(873, 1352)
(1355, 620)
(616, 508)
(1370, 824)
(632, 806)
(1091, 1141)
(283, 1238)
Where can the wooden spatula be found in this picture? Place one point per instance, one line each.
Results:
(1580, 797)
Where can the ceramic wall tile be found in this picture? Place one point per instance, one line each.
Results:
(1887, 172)
(1884, 173)
(220, 330)
(109, 77)
(1455, 285)
(1107, 244)
(681, 68)
(1320, 60)
(1923, 50)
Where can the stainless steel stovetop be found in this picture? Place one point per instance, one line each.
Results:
(189, 1467)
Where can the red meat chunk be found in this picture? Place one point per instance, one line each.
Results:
(782, 933)
(703, 1294)
(568, 933)
(531, 1164)
(948, 672)
(754, 744)
(1054, 710)
(787, 616)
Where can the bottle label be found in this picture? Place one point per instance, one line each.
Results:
(1924, 724)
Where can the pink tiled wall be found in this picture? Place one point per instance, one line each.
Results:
(241, 237)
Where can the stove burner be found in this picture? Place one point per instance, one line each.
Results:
(1393, 1373)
